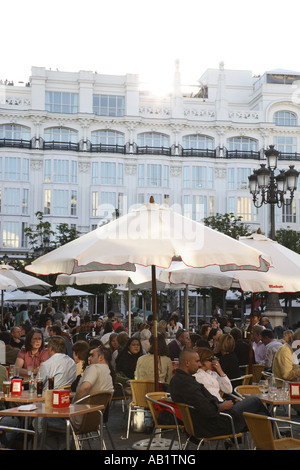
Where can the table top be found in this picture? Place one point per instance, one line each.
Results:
(42, 412)
(25, 397)
(266, 398)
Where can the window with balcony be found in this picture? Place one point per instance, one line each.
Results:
(242, 144)
(14, 132)
(153, 143)
(285, 144)
(198, 145)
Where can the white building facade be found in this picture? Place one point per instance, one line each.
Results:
(79, 146)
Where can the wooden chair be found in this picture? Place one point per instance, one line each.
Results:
(244, 390)
(123, 393)
(244, 379)
(139, 389)
(257, 370)
(91, 422)
(189, 428)
(261, 430)
(26, 432)
(154, 401)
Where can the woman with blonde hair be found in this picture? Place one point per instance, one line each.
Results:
(227, 357)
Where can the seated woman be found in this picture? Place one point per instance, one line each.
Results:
(80, 355)
(211, 375)
(145, 364)
(33, 353)
(127, 359)
(172, 327)
(227, 357)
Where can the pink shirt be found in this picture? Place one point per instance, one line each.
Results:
(30, 360)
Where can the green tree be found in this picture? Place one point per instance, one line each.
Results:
(65, 234)
(40, 234)
(289, 238)
(228, 224)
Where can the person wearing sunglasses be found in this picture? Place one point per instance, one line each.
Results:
(211, 375)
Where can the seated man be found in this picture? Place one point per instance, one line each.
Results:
(178, 344)
(96, 377)
(272, 345)
(206, 416)
(59, 365)
(283, 367)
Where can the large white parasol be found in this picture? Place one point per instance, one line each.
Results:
(152, 235)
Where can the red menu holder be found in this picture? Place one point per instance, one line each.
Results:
(295, 389)
(61, 398)
(16, 386)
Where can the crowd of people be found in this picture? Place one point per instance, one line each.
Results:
(94, 355)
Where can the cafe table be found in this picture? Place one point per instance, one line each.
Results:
(275, 400)
(23, 398)
(40, 411)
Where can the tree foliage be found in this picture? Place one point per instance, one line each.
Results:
(228, 224)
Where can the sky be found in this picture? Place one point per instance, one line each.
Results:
(147, 37)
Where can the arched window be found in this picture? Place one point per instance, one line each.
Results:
(153, 139)
(60, 134)
(107, 137)
(285, 118)
(199, 142)
(244, 144)
(14, 132)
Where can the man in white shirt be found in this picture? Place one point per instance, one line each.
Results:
(258, 346)
(95, 378)
(59, 365)
(272, 346)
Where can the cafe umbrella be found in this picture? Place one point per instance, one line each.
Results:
(19, 280)
(152, 235)
(282, 277)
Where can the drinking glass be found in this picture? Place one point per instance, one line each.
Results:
(263, 386)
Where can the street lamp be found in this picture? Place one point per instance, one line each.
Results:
(266, 188)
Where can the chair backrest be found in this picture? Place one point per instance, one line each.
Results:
(261, 432)
(247, 390)
(139, 389)
(154, 409)
(91, 421)
(256, 371)
(186, 418)
(247, 379)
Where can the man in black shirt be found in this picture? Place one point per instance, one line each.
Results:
(206, 416)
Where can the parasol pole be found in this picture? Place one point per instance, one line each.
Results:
(155, 341)
(129, 308)
(186, 308)
(2, 305)
(250, 362)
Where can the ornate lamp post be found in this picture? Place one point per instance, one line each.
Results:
(266, 188)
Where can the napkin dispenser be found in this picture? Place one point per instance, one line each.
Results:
(16, 386)
(295, 389)
(60, 398)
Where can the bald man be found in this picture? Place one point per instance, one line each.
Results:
(206, 416)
